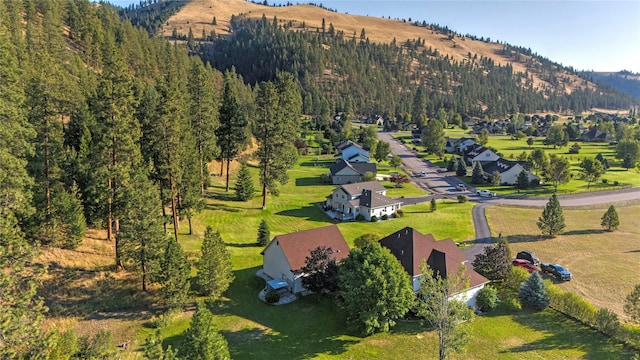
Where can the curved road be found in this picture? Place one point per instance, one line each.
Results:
(440, 184)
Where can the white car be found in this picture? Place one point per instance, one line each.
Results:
(461, 187)
(485, 193)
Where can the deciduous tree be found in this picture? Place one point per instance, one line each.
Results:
(558, 171)
(591, 170)
(493, 263)
(321, 270)
(395, 162)
(433, 137)
(383, 149)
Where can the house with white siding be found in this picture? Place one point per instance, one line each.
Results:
(352, 152)
(509, 171)
(411, 248)
(480, 153)
(344, 172)
(366, 198)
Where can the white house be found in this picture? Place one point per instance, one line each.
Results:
(352, 152)
(481, 153)
(344, 172)
(366, 198)
(509, 170)
(458, 146)
(411, 247)
(286, 254)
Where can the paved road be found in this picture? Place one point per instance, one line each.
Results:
(440, 184)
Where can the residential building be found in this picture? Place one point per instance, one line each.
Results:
(344, 172)
(366, 198)
(352, 152)
(509, 171)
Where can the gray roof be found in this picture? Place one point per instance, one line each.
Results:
(501, 165)
(373, 200)
(358, 167)
(357, 188)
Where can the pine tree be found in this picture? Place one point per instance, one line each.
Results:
(610, 219)
(551, 222)
(522, 182)
(264, 235)
(203, 340)
(461, 169)
(533, 293)
(244, 184)
(214, 268)
(231, 133)
(477, 174)
(433, 205)
(175, 270)
(452, 164)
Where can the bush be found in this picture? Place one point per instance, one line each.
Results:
(535, 183)
(604, 181)
(571, 304)
(462, 199)
(385, 217)
(374, 218)
(616, 183)
(272, 297)
(487, 299)
(607, 322)
(359, 217)
(165, 319)
(399, 213)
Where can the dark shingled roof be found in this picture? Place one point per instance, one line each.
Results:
(374, 200)
(297, 246)
(356, 188)
(410, 247)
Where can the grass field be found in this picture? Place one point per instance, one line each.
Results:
(604, 264)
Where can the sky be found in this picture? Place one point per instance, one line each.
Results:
(587, 35)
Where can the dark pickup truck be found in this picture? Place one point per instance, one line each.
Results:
(556, 270)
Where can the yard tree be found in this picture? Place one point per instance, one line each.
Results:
(231, 132)
(533, 293)
(602, 160)
(493, 263)
(538, 160)
(215, 271)
(395, 162)
(452, 164)
(487, 299)
(383, 149)
(153, 349)
(477, 174)
(277, 126)
(522, 182)
(433, 137)
(141, 235)
(551, 223)
(433, 205)
(632, 305)
(591, 170)
(628, 150)
(203, 115)
(175, 270)
(399, 179)
(558, 171)
(321, 270)
(496, 178)
(483, 137)
(375, 290)
(203, 340)
(244, 183)
(556, 136)
(444, 313)
(461, 168)
(530, 141)
(368, 137)
(610, 220)
(264, 235)
(365, 239)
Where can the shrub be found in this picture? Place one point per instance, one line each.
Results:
(571, 304)
(399, 213)
(165, 319)
(535, 183)
(616, 183)
(462, 199)
(604, 181)
(487, 299)
(359, 217)
(385, 217)
(374, 218)
(272, 297)
(606, 321)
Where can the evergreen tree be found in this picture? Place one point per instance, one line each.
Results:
(461, 169)
(551, 222)
(433, 205)
(610, 219)
(632, 305)
(603, 161)
(493, 263)
(433, 138)
(477, 174)
(141, 235)
(231, 133)
(522, 182)
(203, 340)
(539, 160)
(264, 235)
(483, 137)
(68, 215)
(214, 268)
(175, 270)
(276, 151)
(452, 164)
(244, 184)
(533, 293)
(496, 178)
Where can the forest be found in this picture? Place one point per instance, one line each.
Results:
(106, 127)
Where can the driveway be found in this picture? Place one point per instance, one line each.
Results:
(441, 183)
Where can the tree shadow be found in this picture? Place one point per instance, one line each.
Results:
(319, 163)
(522, 238)
(230, 196)
(221, 206)
(303, 329)
(309, 181)
(244, 245)
(563, 333)
(584, 232)
(310, 212)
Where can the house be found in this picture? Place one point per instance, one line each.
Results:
(285, 256)
(352, 152)
(344, 172)
(458, 146)
(478, 152)
(411, 248)
(366, 198)
(509, 170)
(595, 135)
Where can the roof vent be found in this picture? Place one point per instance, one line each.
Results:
(401, 252)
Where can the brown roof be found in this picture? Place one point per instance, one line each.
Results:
(411, 247)
(297, 246)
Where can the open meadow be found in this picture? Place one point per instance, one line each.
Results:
(311, 327)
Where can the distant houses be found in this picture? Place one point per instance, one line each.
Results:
(367, 199)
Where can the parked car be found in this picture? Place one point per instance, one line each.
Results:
(485, 193)
(461, 187)
(529, 256)
(525, 265)
(560, 272)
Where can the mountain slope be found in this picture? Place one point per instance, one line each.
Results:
(624, 81)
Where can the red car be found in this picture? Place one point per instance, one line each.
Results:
(525, 265)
